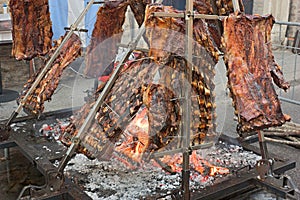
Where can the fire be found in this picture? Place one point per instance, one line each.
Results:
(137, 141)
(197, 163)
(136, 137)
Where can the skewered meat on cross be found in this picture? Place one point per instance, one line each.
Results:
(156, 84)
(45, 89)
(105, 37)
(107, 33)
(225, 7)
(166, 37)
(251, 67)
(32, 30)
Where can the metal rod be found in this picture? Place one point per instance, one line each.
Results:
(186, 110)
(83, 129)
(179, 150)
(263, 146)
(166, 14)
(236, 5)
(288, 23)
(1, 90)
(182, 15)
(289, 100)
(49, 63)
(203, 16)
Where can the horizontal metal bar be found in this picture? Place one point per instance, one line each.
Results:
(179, 150)
(137, 48)
(289, 100)
(203, 16)
(288, 23)
(7, 144)
(286, 47)
(76, 29)
(165, 14)
(181, 15)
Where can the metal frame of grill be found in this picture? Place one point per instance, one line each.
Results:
(55, 178)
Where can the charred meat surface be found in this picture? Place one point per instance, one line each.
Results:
(225, 7)
(45, 89)
(154, 85)
(166, 37)
(138, 7)
(251, 67)
(105, 37)
(32, 28)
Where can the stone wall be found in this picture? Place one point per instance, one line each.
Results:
(14, 73)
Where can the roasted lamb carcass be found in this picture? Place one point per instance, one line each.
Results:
(251, 69)
(32, 28)
(34, 104)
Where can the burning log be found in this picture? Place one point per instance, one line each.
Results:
(35, 102)
(31, 31)
(247, 45)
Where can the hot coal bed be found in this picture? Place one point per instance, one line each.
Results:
(115, 179)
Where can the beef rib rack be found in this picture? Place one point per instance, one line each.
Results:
(45, 89)
(32, 28)
(250, 70)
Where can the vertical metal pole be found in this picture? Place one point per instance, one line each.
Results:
(282, 54)
(6, 153)
(186, 128)
(0, 80)
(295, 72)
(263, 146)
(236, 5)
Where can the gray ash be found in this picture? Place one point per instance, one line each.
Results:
(113, 180)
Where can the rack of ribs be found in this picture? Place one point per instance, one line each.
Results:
(251, 69)
(108, 31)
(155, 82)
(32, 28)
(45, 89)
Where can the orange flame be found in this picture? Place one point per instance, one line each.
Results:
(137, 138)
(137, 142)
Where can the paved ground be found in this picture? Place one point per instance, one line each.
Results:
(70, 93)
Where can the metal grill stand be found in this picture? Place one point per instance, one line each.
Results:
(56, 175)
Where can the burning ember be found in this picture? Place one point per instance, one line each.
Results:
(114, 180)
(136, 138)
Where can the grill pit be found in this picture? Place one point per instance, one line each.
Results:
(113, 179)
